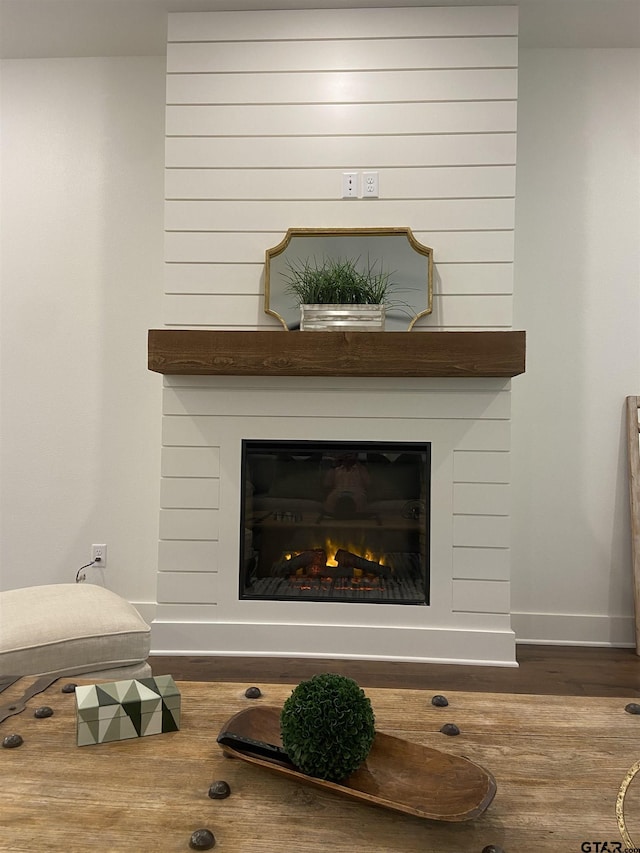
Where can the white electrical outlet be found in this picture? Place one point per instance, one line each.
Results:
(99, 555)
(370, 185)
(349, 185)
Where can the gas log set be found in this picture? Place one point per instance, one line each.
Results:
(347, 577)
(315, 563)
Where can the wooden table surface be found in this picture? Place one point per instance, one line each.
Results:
(558, 762)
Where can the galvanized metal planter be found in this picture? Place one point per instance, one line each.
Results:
(342, 318)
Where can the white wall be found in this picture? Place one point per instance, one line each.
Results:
(75, 246)
(82, 160)
(577, 294)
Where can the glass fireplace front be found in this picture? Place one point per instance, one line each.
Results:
(339, 521)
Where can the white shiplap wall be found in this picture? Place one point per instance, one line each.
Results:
(264, 112)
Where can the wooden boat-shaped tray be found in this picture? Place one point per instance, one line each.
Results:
(397, 774)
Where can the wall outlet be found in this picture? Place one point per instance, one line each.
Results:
(370, 185)
(99, 555)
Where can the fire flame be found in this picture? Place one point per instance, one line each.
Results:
(332, 546)
(312, 576)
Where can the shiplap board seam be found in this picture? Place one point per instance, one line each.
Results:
(326, 383)
(305, 39)
(249, 327)
(187, 403)
(488, 612)
(483, 548)
(279, 231)
(440, 327)
(186, 476)
(314, 168)
(462, 419)
(486, 580)
(457, 482)
(295, 104)
(223, 416)
(260, 264)
(323, 136)
(430, 417)
(458, 514)
(293, 200)
(321, 168)
(443, 391)
(173, 292)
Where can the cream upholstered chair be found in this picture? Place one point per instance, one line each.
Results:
(72, 629)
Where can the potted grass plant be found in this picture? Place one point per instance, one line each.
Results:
(342, 294)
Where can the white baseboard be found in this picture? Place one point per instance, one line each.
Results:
(564, 629)
(570, 629)
(425, 645)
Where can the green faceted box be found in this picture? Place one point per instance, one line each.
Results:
(118, 710)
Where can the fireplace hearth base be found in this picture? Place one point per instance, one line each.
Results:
(466, 618)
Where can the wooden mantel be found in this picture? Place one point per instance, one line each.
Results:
(281, 353)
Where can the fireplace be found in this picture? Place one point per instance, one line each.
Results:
(335, 521)
(211, 522)
(233, 374)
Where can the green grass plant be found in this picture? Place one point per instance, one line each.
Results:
(336, 281)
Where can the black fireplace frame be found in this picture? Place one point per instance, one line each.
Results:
(417, 517)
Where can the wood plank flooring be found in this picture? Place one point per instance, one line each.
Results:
(558, 762)
(550, 670)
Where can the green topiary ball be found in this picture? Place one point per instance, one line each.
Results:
(327, 726)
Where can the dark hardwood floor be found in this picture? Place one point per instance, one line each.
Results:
(561, 670)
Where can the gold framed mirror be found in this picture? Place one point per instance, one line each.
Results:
(393, 252)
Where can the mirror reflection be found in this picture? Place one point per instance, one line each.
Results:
(394, 252)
